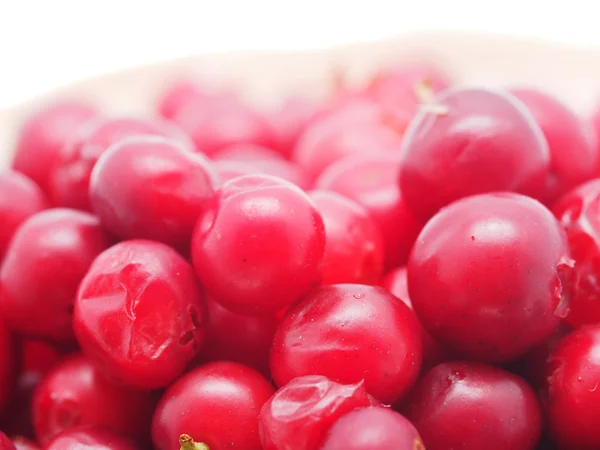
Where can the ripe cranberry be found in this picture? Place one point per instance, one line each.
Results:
(233, 337)
(371, 180)
(578, 213)
(396, 282)
(354, 251)
(573, 404)
(574, 157)
(19, 198)
(44, 134)
(5, 442)
(22, 443)
(300, 413)
(139, 314)
(474, 406)
(498, 263)
(348, 333)
(217, 404)
(7, 365)
(373, 428)
(75, 393)
(70, 175)
(289, 122)
(88, 438)
(475, 146)
(47, 258)
(259, 247)
(151, 188)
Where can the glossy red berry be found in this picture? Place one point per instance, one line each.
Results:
(373, 428)
(19, 198)
(259, 247)
(490, 276)
(573, 397)
(47, 259)
(5, 442)
(354, 251)
(139, 314)
(480, 141)
(151, 188)
(70, 175)
(372, 181)
(89, 438)
(44, 134)
(299, 415)
(217, 404)
(348, 333)
(7, 365)
(474, 406)
(75, 393)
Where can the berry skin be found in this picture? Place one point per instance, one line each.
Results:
(46, 260)
(19, 198)
(70, 175)
(179, 93)
(484, 141)
(44, 134)
(5, 442)
(75, 393)
(217, 404)
(354, 251)
(499, 265)
(474, 406)
(373, 428)
(7, 366)
(89, 438)
(22, 443)
(149, 187)
(289, 122)
(139, 314)
(371, 180)
(578, 213)
(259, 247)
(573, 397)
(348, 333)
(299, 414)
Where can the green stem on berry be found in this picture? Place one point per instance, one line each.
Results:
(187, 443)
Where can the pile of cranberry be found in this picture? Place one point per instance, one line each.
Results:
(406, 265)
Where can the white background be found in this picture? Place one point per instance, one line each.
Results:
(47, 43)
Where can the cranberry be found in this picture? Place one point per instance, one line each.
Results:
(7, 365)
(498, 263)
(289, 122)
(354, 251)
(350, 332)
(70, 175)
(6, 443)
(474, 145)
(578, 213)
(47, 258)
(299, 415)
(474, 406)
(44, 134)
(22, 443)
(151, 188)
(373, 428)
(259, 247)
(217, 404)
(88, 438)
(75, 393)
(19, 198)
(371, 180)
(396, 283)
(573, 404)
(139, 314)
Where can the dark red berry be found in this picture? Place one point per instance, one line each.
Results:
(88, 438)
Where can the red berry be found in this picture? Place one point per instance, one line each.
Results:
(151, 188)
(7, 365)
(44, 134)
(75, 393)
(228, 170)
(573, 403)
(354, 251)
(372, 181)
(139, 314)
(19, 198)
(348, 333)
(289, 122)
(70, 175)
(373, 428)
(179, 93)
(217, 404)
(482, 141)
(299, 415)
(474, 406)
(88, 438)
(246, 153)
(47, 258)
(489, 276)
(6, 443)
(22, 443)
(259, 247)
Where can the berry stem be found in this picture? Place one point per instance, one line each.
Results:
(187, 443)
